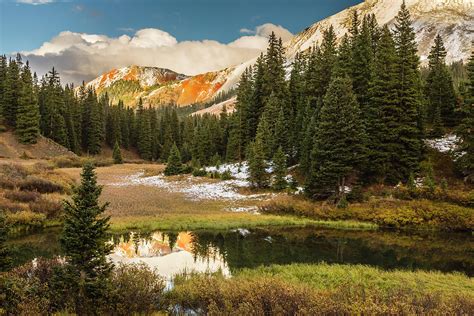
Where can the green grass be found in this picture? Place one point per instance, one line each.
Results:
(225, 221)
(325, 277)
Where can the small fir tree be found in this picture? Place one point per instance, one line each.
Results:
(279, 170)
(174, 165)
(117, 154)
(258, 175)
(84, 241)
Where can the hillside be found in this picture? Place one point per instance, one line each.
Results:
(453, 19)
(44, 148)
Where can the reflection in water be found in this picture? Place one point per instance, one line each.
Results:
(169, 253)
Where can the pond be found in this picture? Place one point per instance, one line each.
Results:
(227, 251)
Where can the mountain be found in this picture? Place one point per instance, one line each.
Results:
(158, 86)
(453, 19)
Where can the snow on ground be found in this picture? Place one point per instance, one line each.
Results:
(443, 144)
(194, 188)
(236, 170)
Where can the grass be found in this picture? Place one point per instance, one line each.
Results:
(383, 211)
(307, 289)
(325, 277)
(224, 221)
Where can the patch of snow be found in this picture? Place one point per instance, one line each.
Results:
(444, 144)
(194, 190)
(244, 209)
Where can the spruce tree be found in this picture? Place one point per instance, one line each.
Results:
(258, 175)
(5, 259)
(11, 93)
(465, 130)
(383, 114)
(174, 165)
(279, 170)
(117, 154)
(339, 143)
(144, 141)
(84, 241)
(409, 129)
(439, 90)
(28, 117)
(3, 82)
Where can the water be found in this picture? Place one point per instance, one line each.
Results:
(172, 252)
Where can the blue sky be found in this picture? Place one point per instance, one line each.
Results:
(85, 38)
(220, 20)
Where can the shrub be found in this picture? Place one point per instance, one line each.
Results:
(199, 173)
(13, 171)
(226, 175)
(26, 218)
(33, 183)
(135, 289)
(6, 183)
(8, 205)
(67, 162)
(22, 196)
(51, 208)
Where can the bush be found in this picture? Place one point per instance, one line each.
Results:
(199, 173)
(7, 205)
(22, 196)
(135, 289)
(13, 171)
(226, 175)
(67, 162)
(51, 208)
(26, 218)
(33, 183)
(6, 183)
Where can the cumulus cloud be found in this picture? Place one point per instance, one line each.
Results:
(35, 2)
(81, 56)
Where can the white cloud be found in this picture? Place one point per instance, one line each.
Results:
(35, 2)
(266, 29)
(81, 56)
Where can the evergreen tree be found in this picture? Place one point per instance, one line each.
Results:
(5, 259)
(27, 120)
(144, 141)
(383, 114)
(174, 166)
(409, 130)
(339, 143)
(465, 130)
(84, 242)
(439, 90)
(279, 170)
(3, 82)
(258, 175)
(11, 93)
(117, 154)
(265, 137)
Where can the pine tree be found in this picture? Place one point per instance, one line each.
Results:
(117, 154)
(84, 242)
(383, 114)
(27, 120)
(5, 259)
(258, 175)
(409, 130)
(439, 90)
(279, 170)
(174, 166)
(3, 82)
(339, 143)
(11, 93)
(465, 130)
(144, 141)
(265, 137)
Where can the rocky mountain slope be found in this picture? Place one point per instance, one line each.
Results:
(453, 19)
